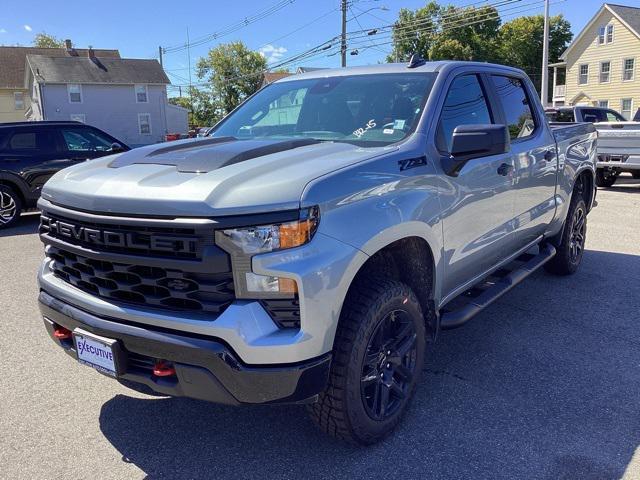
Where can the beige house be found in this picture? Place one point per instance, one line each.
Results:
(602, 63)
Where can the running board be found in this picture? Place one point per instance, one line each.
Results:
(479, 297)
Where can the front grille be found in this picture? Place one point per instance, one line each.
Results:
(128, 239)
(144, 285)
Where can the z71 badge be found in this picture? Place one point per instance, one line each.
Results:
(412, 163)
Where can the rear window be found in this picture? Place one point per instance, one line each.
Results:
(515, 103)
(593, 115)
(565, 116)
(27, 140)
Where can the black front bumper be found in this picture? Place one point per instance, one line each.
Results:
(206, 368)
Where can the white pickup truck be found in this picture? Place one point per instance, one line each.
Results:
(618, 140)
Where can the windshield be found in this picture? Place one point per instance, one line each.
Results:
(368, 110)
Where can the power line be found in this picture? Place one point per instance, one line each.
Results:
(231, 28)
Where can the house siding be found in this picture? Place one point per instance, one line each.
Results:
(587, 51)
(8, 112)
(112, 108)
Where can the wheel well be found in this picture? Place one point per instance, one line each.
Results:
(409, 261)
(584, 186)
(15, 188)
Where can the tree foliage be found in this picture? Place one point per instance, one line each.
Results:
(44, 40)
(476, 33)
(232, 72)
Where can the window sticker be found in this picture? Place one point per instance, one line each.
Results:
(388, 131)
(399, 124)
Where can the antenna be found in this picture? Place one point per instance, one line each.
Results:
(416, 61)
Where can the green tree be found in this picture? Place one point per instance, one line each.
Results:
(413, 32)
(44, 40)
(232, 73)
(520, 42)
(202, 111)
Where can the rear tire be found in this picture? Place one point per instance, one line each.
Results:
(605, 179)
(10, 206)
(378, 358)
(570, 249)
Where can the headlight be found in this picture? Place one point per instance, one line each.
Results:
(267, 238)
(243, 243)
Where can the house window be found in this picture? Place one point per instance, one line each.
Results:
(628, 66)
(78, 117)
(583, 77)
(627, 107)
(609, 33)
(603, 103)
(144, 123)
(75, 93)
(18, 100)
(601, 33)
(141, 94)
(605, 70)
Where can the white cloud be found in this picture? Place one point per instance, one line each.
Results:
(272, 53)
(28, 28)
(2, 30)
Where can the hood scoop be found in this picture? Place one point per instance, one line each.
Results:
(202, 156)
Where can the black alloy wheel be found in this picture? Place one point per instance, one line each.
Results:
(389, 365)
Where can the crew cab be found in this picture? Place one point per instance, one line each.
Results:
(31, 152)
(618, 140)
(310, 248)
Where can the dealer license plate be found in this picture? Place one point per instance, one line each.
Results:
(96, 352)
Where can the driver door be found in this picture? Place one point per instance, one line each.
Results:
(478, 201)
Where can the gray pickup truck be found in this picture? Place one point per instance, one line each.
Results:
(311, 248)
(618, 140)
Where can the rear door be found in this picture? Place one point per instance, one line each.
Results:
(533, 152)
(477, 203)
(33, 153)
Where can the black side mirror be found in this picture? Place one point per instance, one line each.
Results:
(116, 147)
(475, 141)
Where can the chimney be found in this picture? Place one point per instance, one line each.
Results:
(91, 53)
(67, 44)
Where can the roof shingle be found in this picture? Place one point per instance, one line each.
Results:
(98, 70)
(631, 15)
(12, 61)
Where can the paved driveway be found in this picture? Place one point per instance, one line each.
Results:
(544, 384)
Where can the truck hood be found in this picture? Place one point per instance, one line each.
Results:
(203, 177)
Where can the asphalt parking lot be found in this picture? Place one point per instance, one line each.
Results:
(544, 384)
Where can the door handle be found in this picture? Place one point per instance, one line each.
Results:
(505, 169)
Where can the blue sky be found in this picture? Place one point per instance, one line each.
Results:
(138, 28)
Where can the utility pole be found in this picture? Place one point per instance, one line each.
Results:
(160, 55)
(544, 86)
(189, 62)
(343, 41)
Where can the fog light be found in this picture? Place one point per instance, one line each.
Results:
(269, 284)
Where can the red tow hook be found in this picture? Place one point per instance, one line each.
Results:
(162, 369)
(61, 333)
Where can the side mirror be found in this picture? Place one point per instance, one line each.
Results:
(116, 147)
(475, 141)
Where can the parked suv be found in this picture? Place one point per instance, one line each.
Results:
(31, 152)
(310, 249)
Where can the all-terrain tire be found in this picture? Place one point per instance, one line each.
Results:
(10, 206)
(341, 410)
(570, 248)
(605, 179)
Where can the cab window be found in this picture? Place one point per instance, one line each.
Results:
(85, 140)
(465, 104)
(516, 106)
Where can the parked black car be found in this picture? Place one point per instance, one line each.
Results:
(31, 152)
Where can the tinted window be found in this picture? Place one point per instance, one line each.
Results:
(465, 104)
(31, 140)
(85, 140)
(565, 115)
(515, 104)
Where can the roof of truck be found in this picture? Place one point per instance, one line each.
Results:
(391, 68)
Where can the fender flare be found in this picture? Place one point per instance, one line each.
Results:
(16, 181)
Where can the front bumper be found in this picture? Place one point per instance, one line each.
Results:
(206, 368)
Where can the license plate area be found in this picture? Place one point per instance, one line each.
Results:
(101, 353)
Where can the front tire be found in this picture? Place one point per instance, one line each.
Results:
(378, 359)
(570, 249)
(606, 178)
(10, 207)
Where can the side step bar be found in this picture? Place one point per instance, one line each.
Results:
(494, 290)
